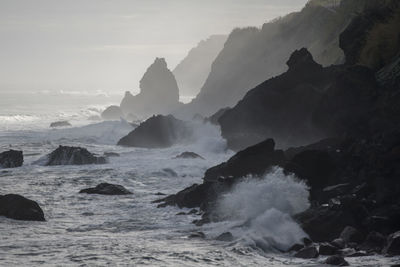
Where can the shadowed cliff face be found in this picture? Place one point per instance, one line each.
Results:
(193, 70)
(159, 93)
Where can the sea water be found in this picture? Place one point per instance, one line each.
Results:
(98, 230)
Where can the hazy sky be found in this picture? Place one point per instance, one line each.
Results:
(108, 44)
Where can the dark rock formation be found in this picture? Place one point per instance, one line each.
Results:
(374, 242)
(107, 189)
(214, 119)
(65, 155)
(193, 70)
(351, 234)
(11, 159)
(254, 160)
(159, 93)
(60, 124)
(307, 253)
(157, 132)
(336, 260)
(251, 55)
(393, 244)
(189, 155)
(327, 249)
(20, 208)
(112, 113)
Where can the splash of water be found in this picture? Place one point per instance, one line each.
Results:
(258, 210)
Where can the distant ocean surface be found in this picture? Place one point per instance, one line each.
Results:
(95, 230)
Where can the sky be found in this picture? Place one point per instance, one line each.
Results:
(107, 45)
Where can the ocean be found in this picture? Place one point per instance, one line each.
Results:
(98, 230)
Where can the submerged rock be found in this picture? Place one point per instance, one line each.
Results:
(11, 159)
(60, 124)
(157, 132)
(336, 260)
(189, 155)
(226, 237)
(112, 113)
(107, 189)
(307, 253)
(65, 155)
(111, 154)
(20, 208)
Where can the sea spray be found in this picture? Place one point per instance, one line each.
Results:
(257, 211)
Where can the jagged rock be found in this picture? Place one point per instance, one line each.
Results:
(189, 155)
(214, 119)
(65, 155)
(351, 234)
(157, 132)
(112, 113)
(11, 159)
(226, 237)
(393, 244)
(307, 253)
(327, 249)
(281, 107)
(159, 93)
(20, 208)
(339, 243)
(60, 124)
(373, 242)
(254, 160)
(107, 189)
(336, 260)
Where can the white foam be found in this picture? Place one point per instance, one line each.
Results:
(262, 207)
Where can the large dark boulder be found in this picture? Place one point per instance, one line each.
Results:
(281, 107)
(20, 208)
(107, 189)
(255, 160)
(66, 155)
(393, 244)
(307, 253)
(157, 132)
(11, 159)
(112, 113)
(336, 260)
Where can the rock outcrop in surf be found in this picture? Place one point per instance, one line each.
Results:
(157, 132)
(66, 155)
(11, 159)
(159, 93)
(18, 207)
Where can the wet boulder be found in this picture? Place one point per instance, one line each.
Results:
(18, 207)
(189, 155)
(374, 242)
(327, 249)
(157, 132)
(254, 160)
(336, 260)
(351, 234)
(107, 189)
(226, 237)
(66, 155)
(60, 124)
(112, 113)
(11, 159)
(307, 253)
(393, 244)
